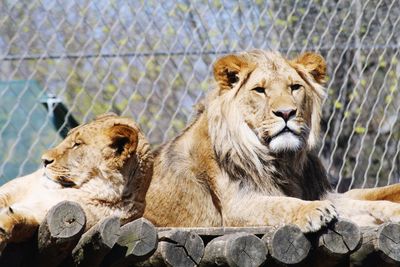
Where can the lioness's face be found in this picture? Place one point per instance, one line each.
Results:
(95, 150)
(275, 97)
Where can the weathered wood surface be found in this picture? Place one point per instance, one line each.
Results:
(60, 242)
(287, 244)
(340, 239)
(137, 242)
(59, 233)
(95, 244)
(388, 242)
(380, 246)
(334, 244)
(219, 231)
(236, 249)
(177, 248)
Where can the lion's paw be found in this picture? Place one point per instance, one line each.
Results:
(313, 215)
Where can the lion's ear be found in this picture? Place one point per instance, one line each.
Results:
(124, 139)
(314, 64)
(227, 70)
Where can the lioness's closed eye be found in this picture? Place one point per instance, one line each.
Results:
(105, 166)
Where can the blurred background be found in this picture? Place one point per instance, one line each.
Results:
(64, 62)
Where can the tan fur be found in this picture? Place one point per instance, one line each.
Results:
(228, 168)
(389, 193)
(369, 207)
(105, 166)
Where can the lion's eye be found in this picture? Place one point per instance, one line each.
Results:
(76, 144)
(295, 87)
(260, 90)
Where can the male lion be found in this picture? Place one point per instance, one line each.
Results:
(105, 166)
(247, 159)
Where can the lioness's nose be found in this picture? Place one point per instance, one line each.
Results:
(285, 114)
(46, 161)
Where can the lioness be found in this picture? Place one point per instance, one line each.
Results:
(105, 166)
(247, 158)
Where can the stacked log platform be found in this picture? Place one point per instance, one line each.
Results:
(60, 241)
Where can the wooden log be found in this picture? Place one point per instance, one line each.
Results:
(287, 244)
(137, 241)
(238, 249)
(340, 239)
(335, 244)
(96, 243)
(380, 246)
(219, 231)
(59, 233)
(388, 242)
(177, 248)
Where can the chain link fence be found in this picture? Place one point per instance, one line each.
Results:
(151, 60)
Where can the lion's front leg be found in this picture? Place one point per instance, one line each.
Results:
(17, 189)
(367, 213)
(16, 224)
(390, 193)
(309, 216)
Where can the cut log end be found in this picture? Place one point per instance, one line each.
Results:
(247, 250)
(65, 220)
(239, 249)
(179, 248)
(96, 243)
(59, 233)
(388, 241)
(139, 237)
(137, 241)
(342, 238)
(109, 231)
(288, 244)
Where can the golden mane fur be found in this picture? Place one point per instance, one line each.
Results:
(105, 166)
(247, 158)
(239, 160)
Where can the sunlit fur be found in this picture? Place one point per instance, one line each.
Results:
(231, 166)
(105, 166)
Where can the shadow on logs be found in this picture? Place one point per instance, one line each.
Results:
(19, 254)
(59, 233)
(137, 241)
(380, 247)
(238, 249)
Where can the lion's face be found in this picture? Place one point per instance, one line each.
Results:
(278, 99)
(97, 150)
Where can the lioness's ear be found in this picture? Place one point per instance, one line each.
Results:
(106, 115)
(124, 139)
(314, 64)
(227, 70)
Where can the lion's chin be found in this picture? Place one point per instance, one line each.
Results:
(286, 141)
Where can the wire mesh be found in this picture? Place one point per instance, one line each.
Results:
(151, 60)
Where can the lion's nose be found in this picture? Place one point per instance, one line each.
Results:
(46, 161)
(285, 114)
